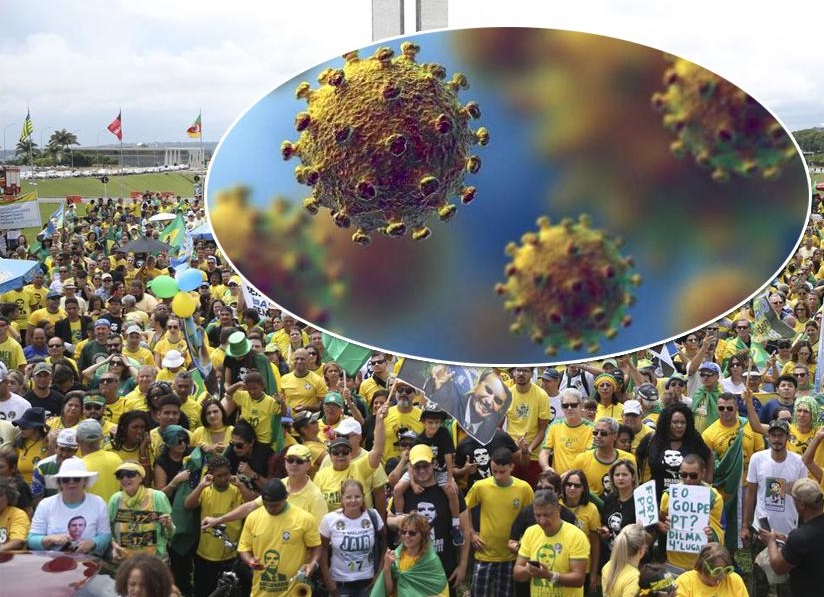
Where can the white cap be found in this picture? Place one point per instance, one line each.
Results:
(348, 426)
(632, 407)
(133, 329)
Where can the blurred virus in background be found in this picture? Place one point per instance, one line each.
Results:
(385, 143)
(280, 251)
(568, 285)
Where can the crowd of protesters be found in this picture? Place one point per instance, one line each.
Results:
(282, 468)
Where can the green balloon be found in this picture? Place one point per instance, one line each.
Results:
(164, 286)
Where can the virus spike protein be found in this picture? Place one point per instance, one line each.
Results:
(385, 143)
(568, 285)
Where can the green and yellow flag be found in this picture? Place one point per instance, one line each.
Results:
(28, 127)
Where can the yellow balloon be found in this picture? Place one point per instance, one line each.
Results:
(183, 304)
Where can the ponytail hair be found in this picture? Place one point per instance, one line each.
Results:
(628, 543)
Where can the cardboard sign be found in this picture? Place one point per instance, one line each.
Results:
(646, 504)
(689, 514)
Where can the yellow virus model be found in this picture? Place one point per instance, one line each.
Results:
(385, 143)
(720, 125)
(568, 285)
(280, 252)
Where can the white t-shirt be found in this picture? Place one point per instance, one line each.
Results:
(774, 481)
(54, 517)
(13, 408)
(728, 385)
(555, 408)
(352, 541)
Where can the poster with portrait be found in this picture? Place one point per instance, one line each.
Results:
(476, 397)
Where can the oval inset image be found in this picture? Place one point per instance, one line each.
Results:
(506, 195)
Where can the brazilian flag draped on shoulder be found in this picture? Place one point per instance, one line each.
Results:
(176, 236)
(727, 480)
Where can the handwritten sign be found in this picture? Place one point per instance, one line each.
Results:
(689, 514)
(646, 504)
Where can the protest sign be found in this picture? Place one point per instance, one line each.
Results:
(689, 514)
(646, 504)
(256, 300)
(19, 212)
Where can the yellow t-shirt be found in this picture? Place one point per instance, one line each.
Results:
(38, 295)
(29, 455)
(165, 345)
(135, 400)
(114, 410)
(191, 408)
(687, 560)
(328, 481)
(555, 552)
(499, 508)
(26, 303)
(14, 524)
(202, 435)
(613, 411)
(258, 413)
(567, 442)
(799, 440)
(367, 389)
(308, 390)
(626, 585)
(217, 503)
(588, 519)
(281, 543)
(142, 355)
(645, 431)
(311, 499)
(719, 439)
(526, 410)
(596, 470)
(103, 462)
(395, 419)
(11, 354)
(691, 585)
(43, 315)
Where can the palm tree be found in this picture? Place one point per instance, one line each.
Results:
(59, 143)
(25, 147)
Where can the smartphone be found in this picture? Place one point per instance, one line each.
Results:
(534, 563)
(764, 523)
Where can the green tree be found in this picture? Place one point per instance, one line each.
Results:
(26, 147)
(60, 143)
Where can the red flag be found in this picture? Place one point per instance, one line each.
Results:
(115, 128)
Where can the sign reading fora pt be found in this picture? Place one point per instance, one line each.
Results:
(689, 514)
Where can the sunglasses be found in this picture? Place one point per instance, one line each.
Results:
(55, 346)
(294, 460)
(422, 466)
(707, 374)
(801, 374)
(568, 405)
(93, 406)
(718, 571)
(125, 475)
(679, 384)
(409, 533)
(172, 327)
(573, 485)
(238, 445)
(601, 432)
(728, 409)
(405, 390)
(340, 452)
(71, 479)
(377, 362)
(742, 327)
(107, 380)
(684, 475)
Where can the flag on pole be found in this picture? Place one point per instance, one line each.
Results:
(194, 130)
(55, 220)
(115, 127)
(176, 236)
(28, 127)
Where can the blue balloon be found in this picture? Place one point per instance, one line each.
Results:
(189, 279)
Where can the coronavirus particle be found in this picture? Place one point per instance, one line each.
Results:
(568, 285)
(720, 125)
(385, 143)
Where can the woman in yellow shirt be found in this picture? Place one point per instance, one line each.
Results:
(619, 578)
(32, 445)
(575, 496)
(215, 434)
(71, 410)
(713, 575)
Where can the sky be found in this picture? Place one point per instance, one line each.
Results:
(76, 64)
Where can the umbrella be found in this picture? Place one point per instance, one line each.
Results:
(162, 217)
(145, 245)
(16, 272)
(203, 232)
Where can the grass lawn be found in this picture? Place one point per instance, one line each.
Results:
(180, 183)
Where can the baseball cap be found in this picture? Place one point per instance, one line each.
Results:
(42, 368)
(632, 407)
(89, 431)
(710, 366)
(333, 398)
(106, 276)
(348, 426)
(274, 491)
(551, 373)
(808, 492)
(270, 348)
(299, 451)
(647, 391)
(67, 438)
(339, 441)
(420, 453)
(53, 295)
(94, 399)
(304, 418)
(102, 321)
(779, 424)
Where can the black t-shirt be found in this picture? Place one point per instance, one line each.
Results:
(665, 465)
(472, 450)
(615, 514)
(433, 504)
(50, 403)
(802, 551)
(441, 445)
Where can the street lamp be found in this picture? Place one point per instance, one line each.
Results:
(4, 139)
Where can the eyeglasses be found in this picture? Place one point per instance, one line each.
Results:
(409, 533)
(718, 571)
(340, 452)
(125, 475)
(107, 380)
(742, 327)
(707, 374)
(405, 390)
(377, 362)
(55, 346)
(172, 327)
(601, 432)
(736, 365)
(728, 409)
(295, 460)
(573, 485)
(686, 475)
(93, 406)
(568, 405)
